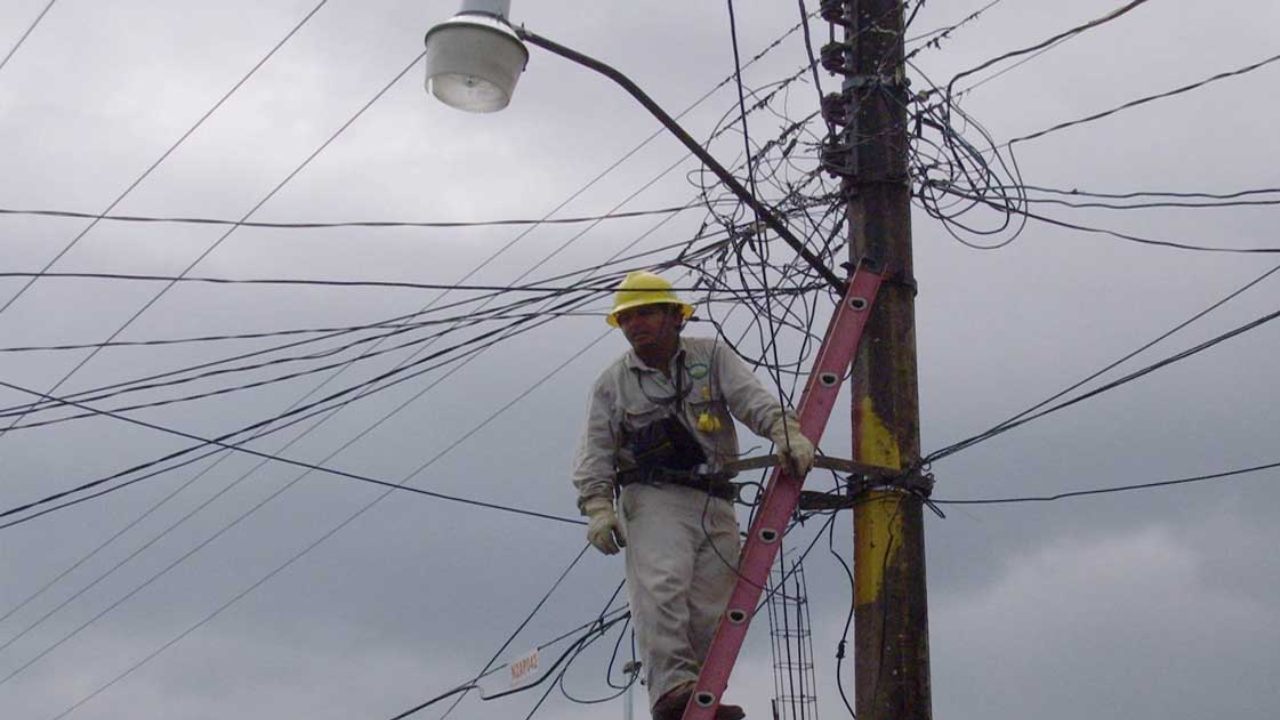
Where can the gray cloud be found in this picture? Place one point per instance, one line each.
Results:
(1152, 604)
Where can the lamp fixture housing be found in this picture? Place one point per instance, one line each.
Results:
(474, 59)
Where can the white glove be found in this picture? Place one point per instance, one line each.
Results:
(605, 531)
(794, 450)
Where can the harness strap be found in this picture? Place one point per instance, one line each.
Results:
(716, 485)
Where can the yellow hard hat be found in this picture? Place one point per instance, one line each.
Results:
(644, 288)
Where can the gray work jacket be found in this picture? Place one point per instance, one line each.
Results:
(629, 395)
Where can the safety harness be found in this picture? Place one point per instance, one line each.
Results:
(667, 453)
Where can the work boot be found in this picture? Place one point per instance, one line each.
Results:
(730, 712)
(671, 706)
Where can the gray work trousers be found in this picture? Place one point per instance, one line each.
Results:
(682, 558)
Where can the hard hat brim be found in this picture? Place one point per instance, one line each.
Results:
(686, 310)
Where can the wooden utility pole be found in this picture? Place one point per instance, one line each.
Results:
(891, 631)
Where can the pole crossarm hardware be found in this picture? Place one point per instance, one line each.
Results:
(863, 478)
(763, 211)
(782, 493)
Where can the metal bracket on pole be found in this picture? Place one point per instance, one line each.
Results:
(782, 493)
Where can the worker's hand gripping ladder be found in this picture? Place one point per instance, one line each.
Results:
(782, 493)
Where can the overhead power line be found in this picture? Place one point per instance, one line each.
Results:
(1144, 100)
(256, 453)
(933, 38)
(1026, 418)
(172, 148)
(214, 246)
(1110, 366)
(278, 492)
(30, 28)
(552, 313)
(346, 224)
(381, 284)
(1085, 199)
(1130, 237)
(343, 329)
(1139, 194)
(275, 494)
(506, 643)
(222, 367)
(1115, 14)
(1115, 489)
(168, 646)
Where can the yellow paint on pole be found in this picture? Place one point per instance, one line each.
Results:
(878, 519)
(876, 442)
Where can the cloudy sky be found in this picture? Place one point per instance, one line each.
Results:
(231, 587)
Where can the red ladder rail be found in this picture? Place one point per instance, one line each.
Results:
(782, 493)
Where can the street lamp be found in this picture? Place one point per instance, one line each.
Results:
(474, 59)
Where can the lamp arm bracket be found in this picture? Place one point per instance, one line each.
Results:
(769, 216)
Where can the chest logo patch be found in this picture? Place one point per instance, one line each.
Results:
(697, 371)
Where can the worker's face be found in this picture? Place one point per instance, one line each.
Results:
(652, 329)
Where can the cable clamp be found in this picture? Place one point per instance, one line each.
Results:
(903, 280)
(912, 481)
(887, 274)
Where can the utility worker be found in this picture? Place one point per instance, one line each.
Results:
(659, 432)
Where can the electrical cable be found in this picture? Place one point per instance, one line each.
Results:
(935, 37)
(23, 38)
(956, 447)
(217, 243)
(993, 76)
(471, 315)
(624, 614)
(1144, 100)
(146, 384)
(621, 634)
(1220, 200)
(495, 290)
(343, 224)
(1113, 15)
(844, 635)
(194, 511)
(1108, 490)
(595, 630)
(241, 431)
(1155, 194)
(259, 454)
(1026, 418)
(276, 494)
(172, 148)
(522, 323)
(1125, 236)
(175, 640)
(510, 638)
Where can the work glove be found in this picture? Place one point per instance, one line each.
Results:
(794, 450)
(604, 531)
